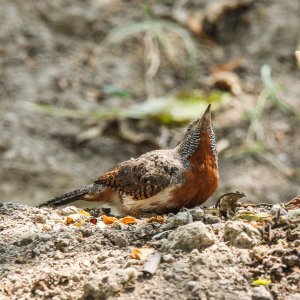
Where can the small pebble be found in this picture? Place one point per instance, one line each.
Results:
(61, 243)
(276, 207)
(261, 293)
(195, 252)
(211, 219)
(197, 213)
(191, 284)
(131, 262)
(76, 278)
(168, 258)
(297, 243)
(241, 235)
(58, 255)
(86, 232)
(188, 237)
(86, 263)
(39, 218)
(69, 210)
(101, 225)
(294, 214)
(129, 274)
(182, 218)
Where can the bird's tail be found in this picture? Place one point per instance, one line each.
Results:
(68, 197)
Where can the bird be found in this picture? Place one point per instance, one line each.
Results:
(159, 181)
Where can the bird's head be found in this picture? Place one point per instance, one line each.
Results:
(196, 131)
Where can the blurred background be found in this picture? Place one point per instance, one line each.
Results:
(87, 84)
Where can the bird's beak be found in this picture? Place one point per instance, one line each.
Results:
(206, 118)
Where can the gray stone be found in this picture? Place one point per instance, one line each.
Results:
(241, 235)
(211, 219)
(261, 293)
(191, 236)
(39, 218)
(217, 255)
(97, 288)
(86, 232)
(168, 258)
(76, 278)
(294, 214)
(182, 218)
(26, 241)
(197, 213)
(297, 243)
(295, 296)
(294, 233)
(119, 239)
(62, 243)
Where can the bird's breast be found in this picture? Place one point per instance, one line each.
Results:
(202, 177)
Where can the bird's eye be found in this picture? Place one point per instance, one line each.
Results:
(189, 127)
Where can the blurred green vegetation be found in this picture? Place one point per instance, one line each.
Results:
(255, 144)
(177, 109)
(110, 90)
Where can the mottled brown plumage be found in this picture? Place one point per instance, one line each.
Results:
(159, 181)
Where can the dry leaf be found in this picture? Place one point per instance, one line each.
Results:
(141, 253)
(250, 216)
(194, 24)
(94, 220)
(79, 218)
(109, 220)
(84, 213)
(294, 203)
(261, 282)
(227, 81)
(69, 220)
(158, 219)
(227, 67)
(128, 220)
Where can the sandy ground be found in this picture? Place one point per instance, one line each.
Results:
(61, 254)
(53, 53)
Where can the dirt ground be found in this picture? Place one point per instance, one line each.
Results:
(54, 53)
(61, 254)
